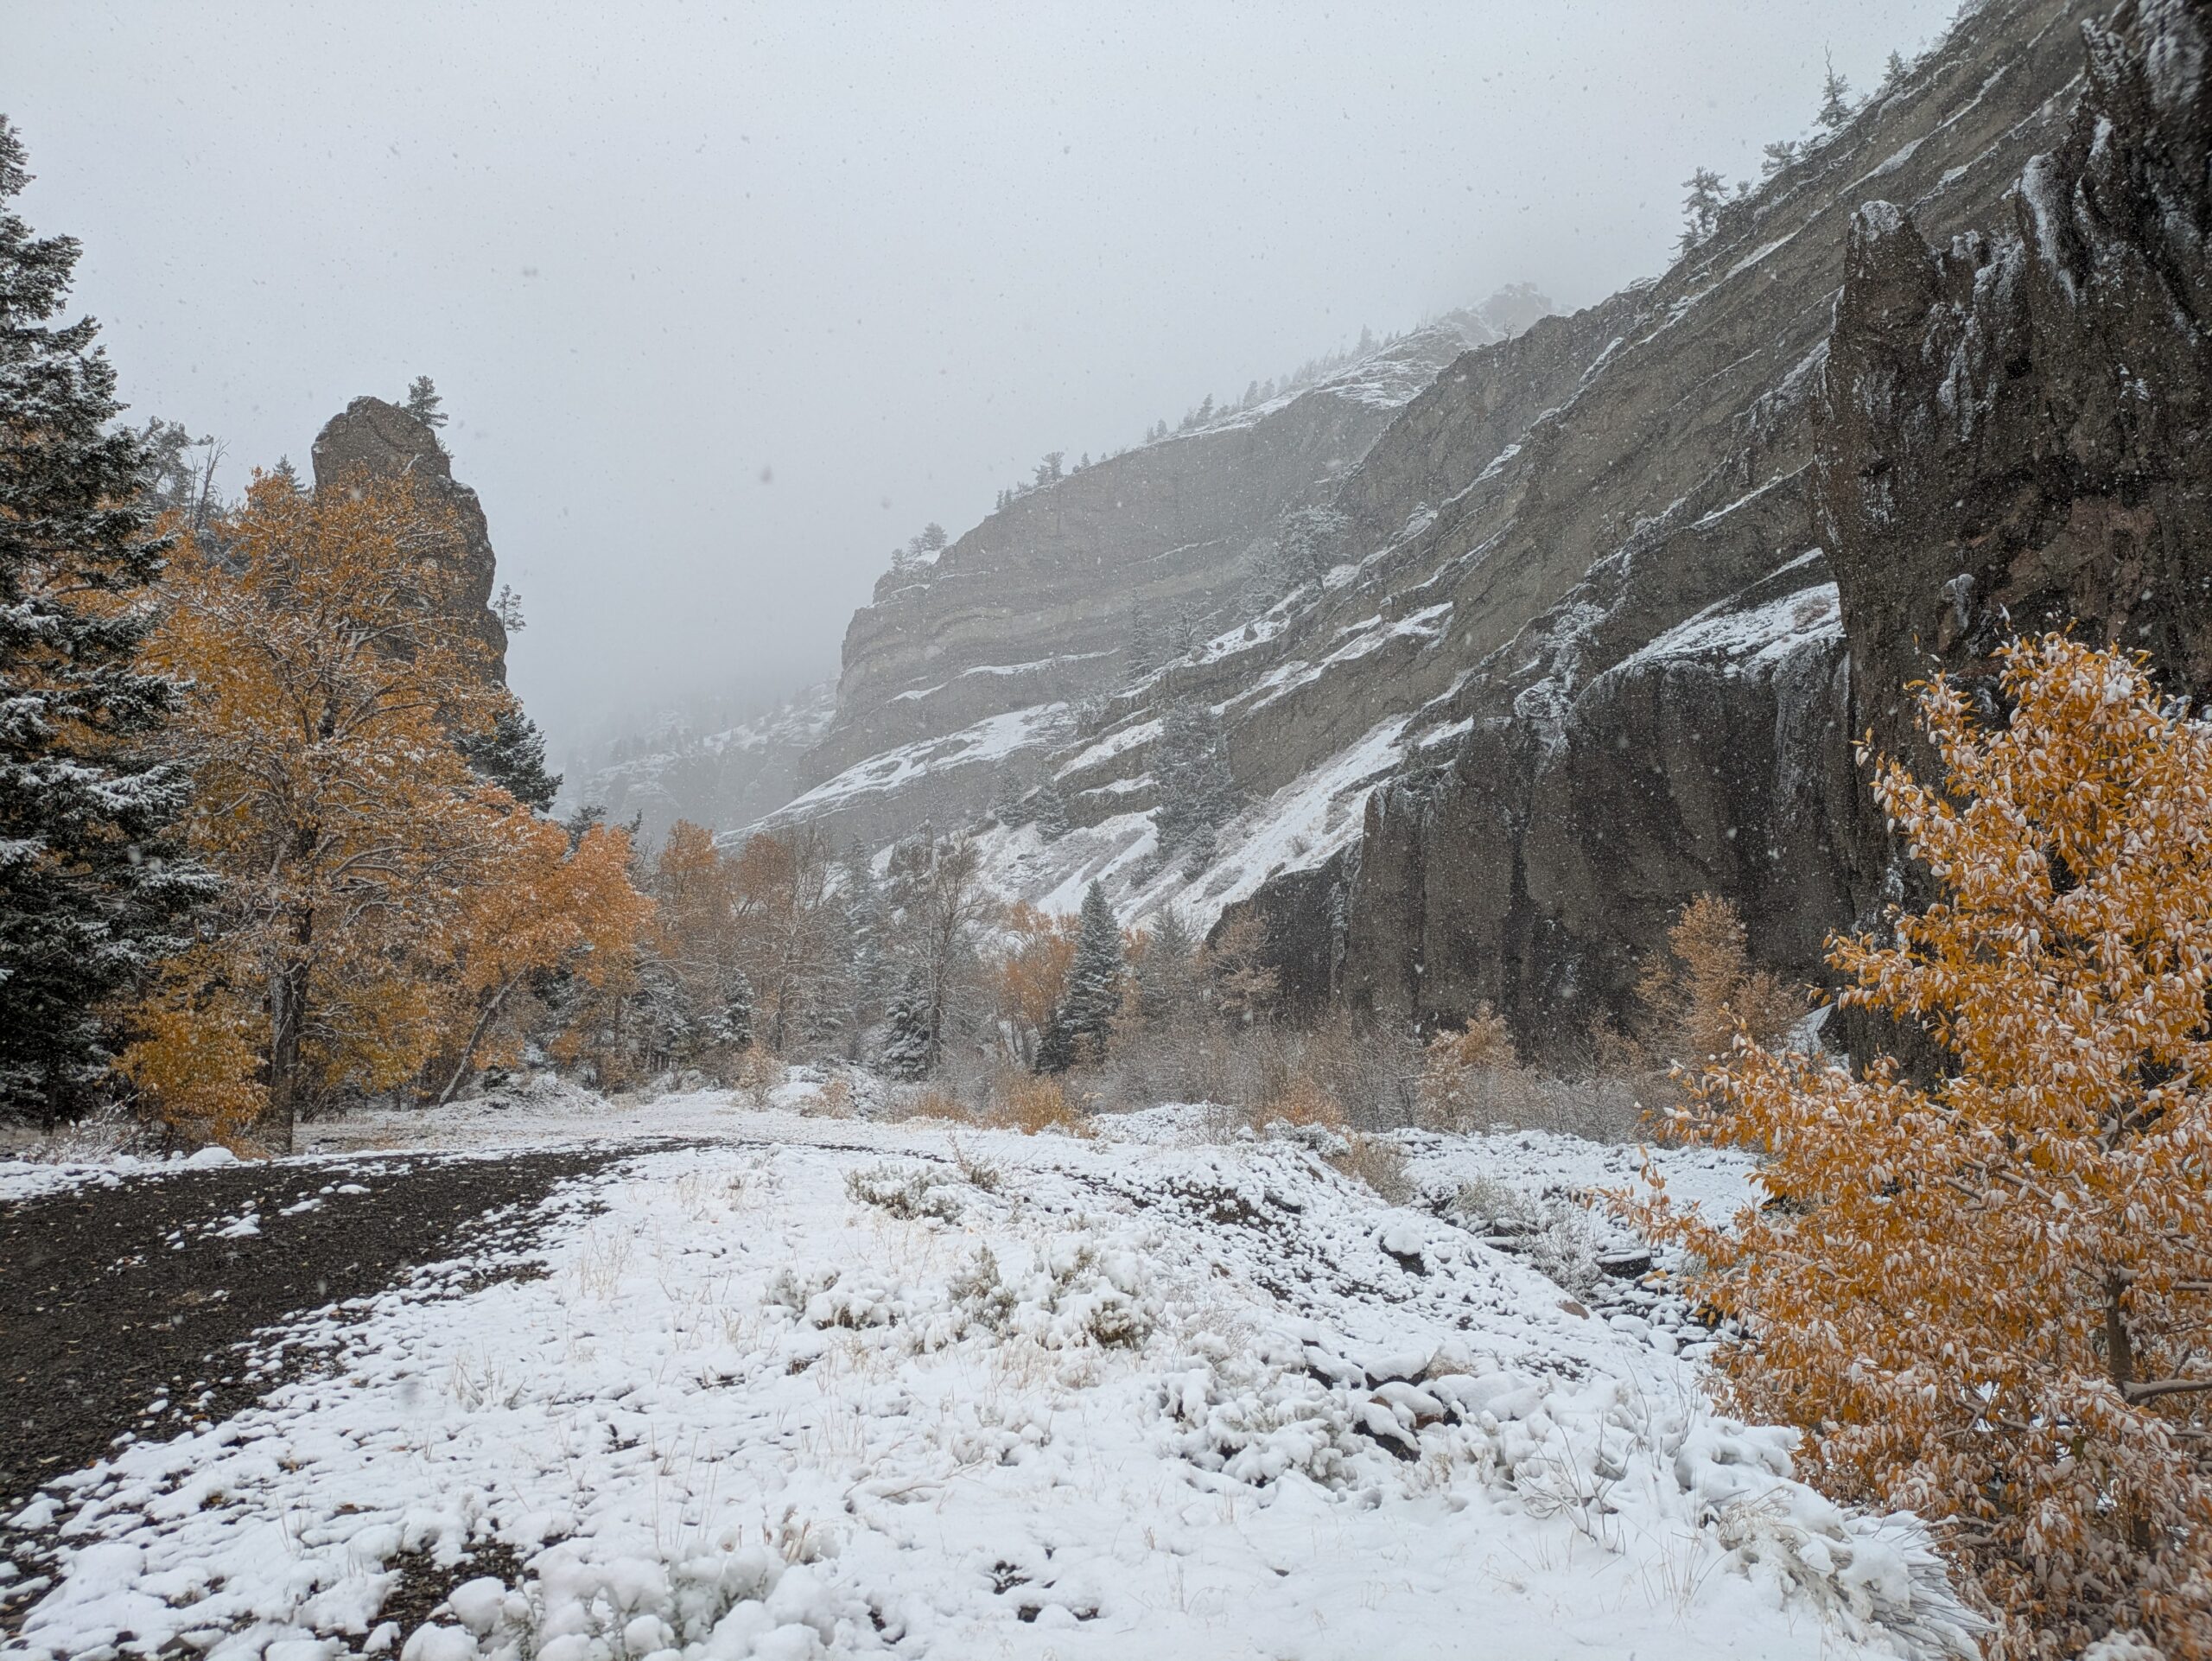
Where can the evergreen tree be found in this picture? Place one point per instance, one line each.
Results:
(90, 893)
(1309, 538)
(862, 897)
(1167, 973)
(733, 1024)
(1197, 792)
(1894, 72)
(1093, 979)
(1779, 155)
(663, 1027)
(1835, 101)
(512, 755)
(1052, 811)
(1701, 206)
(423, 403)
(906, 1043)
(1011, 806)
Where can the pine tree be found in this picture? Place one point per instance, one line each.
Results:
(1894, 72)
(732, 1023)
(1011, 806)
(1779, 155)
(1835, 101)
(1094, 980)
(512, 754)
(1197, 792)
(89, 890)
(1052, 811)
(862, 897)
(1701, 206)
(423, 403)
(907, 1045)
(1167, 971)
(1982, 1294)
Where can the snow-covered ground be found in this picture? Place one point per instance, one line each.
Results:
(800, 1386)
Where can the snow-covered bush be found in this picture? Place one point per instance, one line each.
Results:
(913, 1194)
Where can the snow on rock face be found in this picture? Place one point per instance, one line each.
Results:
(1084, 1398)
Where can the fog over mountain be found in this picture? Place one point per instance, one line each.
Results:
(725, 302)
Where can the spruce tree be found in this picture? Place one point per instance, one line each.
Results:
(733, 1026)
(1094, 978)
(423, 403)
(1835, 101)
(906, 1043)
(90, 889)
(1167, 973)
(862, 897)
(513, 756)
(1197, 792)
(1052, 811)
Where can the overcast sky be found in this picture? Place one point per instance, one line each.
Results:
(725, 301)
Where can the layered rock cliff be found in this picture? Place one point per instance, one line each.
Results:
(980, 659)
(1647, 647)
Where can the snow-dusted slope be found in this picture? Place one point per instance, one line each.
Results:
(1053, 598)
(804, 1386)
(722, 778)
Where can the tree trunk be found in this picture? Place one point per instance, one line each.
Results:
(475, 1037)
(287, 998)
(287, 1018)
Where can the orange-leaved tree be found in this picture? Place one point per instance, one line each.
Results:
(1032, 976)
(1697, 993)
(540, 907)
(1986, 1298)
(363, 929)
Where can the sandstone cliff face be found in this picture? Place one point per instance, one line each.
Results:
(381, 440)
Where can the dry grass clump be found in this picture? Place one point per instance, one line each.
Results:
(757, 1071)
(1300, 1101)
(833, 1100)
(1381, 1164)
(1032, 1105)
(936, 1104)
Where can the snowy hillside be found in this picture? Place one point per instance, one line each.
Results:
(723, 776)
(789, 1386)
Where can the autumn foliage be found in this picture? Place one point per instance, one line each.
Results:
(1986, 1298)
(1702, 989)
(381, 905)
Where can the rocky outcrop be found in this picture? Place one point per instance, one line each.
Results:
(1642, 642)
(378, 440)
(2016, 425)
